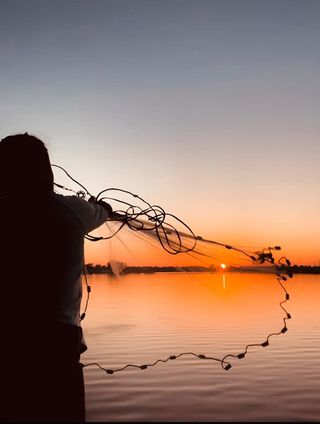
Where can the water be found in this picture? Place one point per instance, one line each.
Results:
(141, 318)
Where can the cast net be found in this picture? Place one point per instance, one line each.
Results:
(137, 227)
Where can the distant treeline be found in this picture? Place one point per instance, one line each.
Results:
(107, 269)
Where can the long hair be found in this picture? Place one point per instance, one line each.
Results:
(24, 166)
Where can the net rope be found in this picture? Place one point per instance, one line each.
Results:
(155, 224)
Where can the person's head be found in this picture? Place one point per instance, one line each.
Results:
(24, 166)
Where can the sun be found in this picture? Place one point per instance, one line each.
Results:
(223, 266)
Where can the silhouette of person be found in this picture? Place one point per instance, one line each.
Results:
(41, 257)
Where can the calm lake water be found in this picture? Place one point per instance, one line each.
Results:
(141, 318)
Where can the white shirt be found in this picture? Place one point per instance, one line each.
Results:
(90, 216)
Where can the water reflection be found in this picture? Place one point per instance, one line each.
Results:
(140, 318)
(223, 281)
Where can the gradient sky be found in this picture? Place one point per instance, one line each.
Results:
(208, 108)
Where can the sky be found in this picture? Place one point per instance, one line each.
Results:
(210, 109)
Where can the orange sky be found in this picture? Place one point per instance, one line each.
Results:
(129, 247)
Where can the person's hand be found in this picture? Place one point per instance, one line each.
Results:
(105, 205)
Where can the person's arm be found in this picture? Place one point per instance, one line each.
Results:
(92, 214)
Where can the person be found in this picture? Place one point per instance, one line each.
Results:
(42, 259)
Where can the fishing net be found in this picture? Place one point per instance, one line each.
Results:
(142, 234)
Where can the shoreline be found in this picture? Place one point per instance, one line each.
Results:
(123, 269)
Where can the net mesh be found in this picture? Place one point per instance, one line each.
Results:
(140, 234)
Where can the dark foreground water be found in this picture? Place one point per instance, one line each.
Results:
(141, 318)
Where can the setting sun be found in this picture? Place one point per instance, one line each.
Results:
(223, 266)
